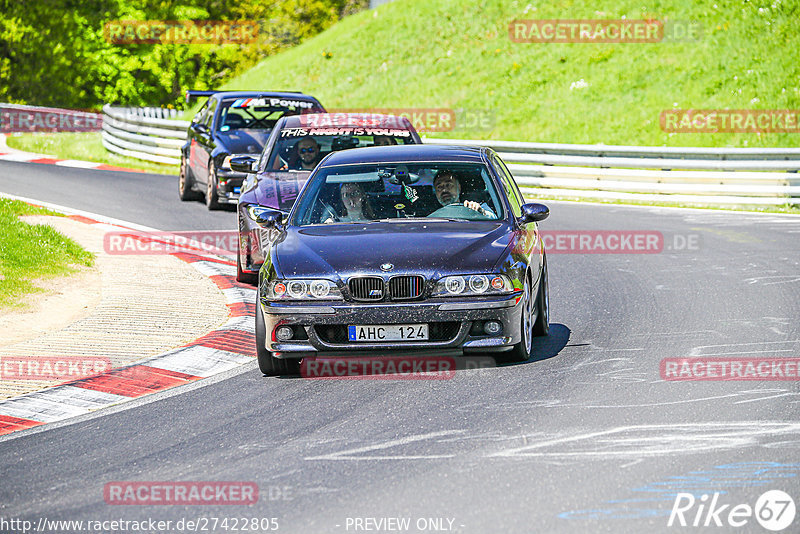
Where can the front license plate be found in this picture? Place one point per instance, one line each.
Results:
(388, 332)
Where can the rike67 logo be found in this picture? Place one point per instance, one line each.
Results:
(774, 510)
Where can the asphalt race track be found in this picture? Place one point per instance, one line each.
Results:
(586, 437)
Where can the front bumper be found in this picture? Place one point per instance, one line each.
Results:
(453, 320)
(229, 184)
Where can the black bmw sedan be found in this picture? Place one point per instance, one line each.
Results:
(415, 248)
(229, 124)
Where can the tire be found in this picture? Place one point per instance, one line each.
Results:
(185, 182)
(267, 363)
(212, 199)
(241, 276)
(522, 350)
(542, 325)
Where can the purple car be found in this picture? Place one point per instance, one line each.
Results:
(295, 146)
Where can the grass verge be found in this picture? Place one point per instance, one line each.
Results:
(81, 146)
(31, 253)
(458, 54)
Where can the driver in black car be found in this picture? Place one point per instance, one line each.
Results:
(448, 191)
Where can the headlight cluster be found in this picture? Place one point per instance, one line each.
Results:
(303, 290)
(472, 285)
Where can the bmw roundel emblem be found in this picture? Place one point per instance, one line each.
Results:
(387, 267)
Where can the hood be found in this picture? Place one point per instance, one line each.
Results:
(428, 248)
(244, 141)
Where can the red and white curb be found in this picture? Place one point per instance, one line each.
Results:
(12, 154)
(225, 348)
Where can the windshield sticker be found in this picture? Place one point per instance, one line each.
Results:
(302, 132)
(271, 102)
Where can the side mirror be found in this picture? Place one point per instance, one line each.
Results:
(533, 212)
(265, 217)
(243, 164)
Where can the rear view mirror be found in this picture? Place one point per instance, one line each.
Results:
(533, 212)
(243, 164)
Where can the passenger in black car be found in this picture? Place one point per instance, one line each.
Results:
(355, 204)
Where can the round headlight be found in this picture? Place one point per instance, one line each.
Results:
(320, 289)
(498, 283)
(297, 289)
(478, 283)
(279, 289)
(454, 284)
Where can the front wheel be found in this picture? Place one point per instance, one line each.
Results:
(267, 363)
(522, 350)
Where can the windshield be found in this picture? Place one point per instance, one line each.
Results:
(258, 113)
(298, 149)
(359, 193)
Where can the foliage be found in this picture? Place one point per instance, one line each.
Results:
(55, 53)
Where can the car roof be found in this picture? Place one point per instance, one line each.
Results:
(405, 154)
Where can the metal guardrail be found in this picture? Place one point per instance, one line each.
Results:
(766, 176)
(714, 176)
(151, 134)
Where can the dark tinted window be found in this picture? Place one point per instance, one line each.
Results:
(435, 190)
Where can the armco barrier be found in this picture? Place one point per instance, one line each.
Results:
(144, 133)
(713, 176)
(766, 176)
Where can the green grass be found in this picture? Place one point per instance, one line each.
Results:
(457, 54)
(81, 146)
(32, 252)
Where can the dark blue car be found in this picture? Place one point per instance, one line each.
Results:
(231, 123)
(402, 248)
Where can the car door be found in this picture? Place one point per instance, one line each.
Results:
(202, 143)
(529, 233)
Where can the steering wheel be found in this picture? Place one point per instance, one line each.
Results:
(457, 211)
(327, 213)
